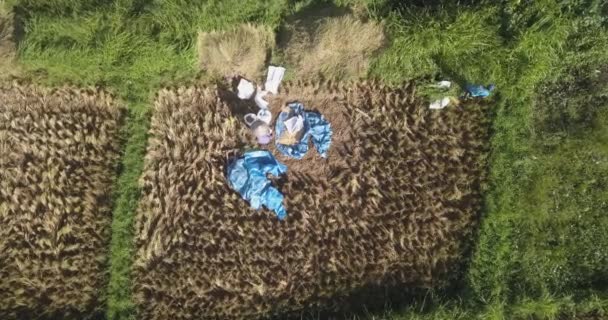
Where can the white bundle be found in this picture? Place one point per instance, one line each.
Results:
(274, 78)
(245, 89)
(440, 104)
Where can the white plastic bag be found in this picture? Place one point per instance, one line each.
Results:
(259, 99)
(444, 84)
(440, 104)
(265, 115)
(245, 89)
(274, 78)
(294, 124)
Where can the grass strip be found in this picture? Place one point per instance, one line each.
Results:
(126, 193)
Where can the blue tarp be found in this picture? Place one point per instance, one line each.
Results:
(315, 126)
(479, 91)
(247, 175)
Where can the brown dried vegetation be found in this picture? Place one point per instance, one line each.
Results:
(240, 51)
(8, 66)
(393, 204)
(337, 48)
(58, 152)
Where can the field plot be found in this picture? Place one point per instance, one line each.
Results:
(394, 203)
(58, 152)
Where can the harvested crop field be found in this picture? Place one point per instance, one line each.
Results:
(58, 155)
(394, 203)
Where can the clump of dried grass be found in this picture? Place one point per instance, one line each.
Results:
(240, 51)
(7, 43)
(339, 48)
(395, 205)
(58, 152)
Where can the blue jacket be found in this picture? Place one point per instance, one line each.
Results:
(247, 175)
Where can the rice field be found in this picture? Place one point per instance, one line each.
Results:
(394, 203)
(58, 154)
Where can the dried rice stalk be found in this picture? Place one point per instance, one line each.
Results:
(392, 205)
(7, 43)
(58, 151)
(240, 51)
(340, 48)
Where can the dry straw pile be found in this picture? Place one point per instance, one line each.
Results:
(337, 48)
(239, 51)
(393, 204)
(7, 42)
(58, 152)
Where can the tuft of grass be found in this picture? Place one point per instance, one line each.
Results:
(243, 51)
(459, 43)
(339, 47)
(178, 22)
(544, 308)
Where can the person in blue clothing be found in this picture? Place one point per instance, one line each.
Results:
(478, 91)
(247, 175)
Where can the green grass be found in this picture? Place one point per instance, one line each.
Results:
(120, 305)
(541, 246)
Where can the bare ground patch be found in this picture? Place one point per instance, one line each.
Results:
(393, 205)
(58, 152)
